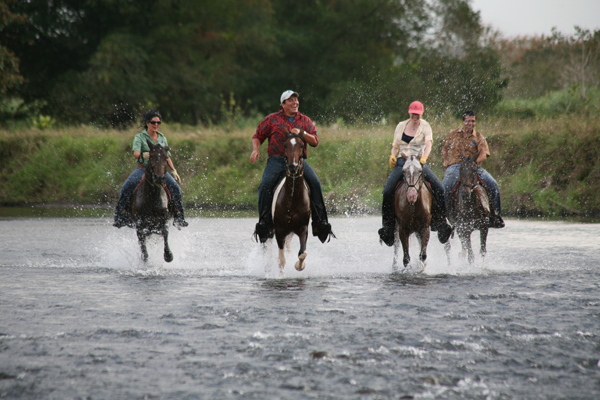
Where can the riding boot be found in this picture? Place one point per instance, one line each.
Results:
(386, 233)
(264, 227)
(496, 220)
(439, 223)
(320, 227)
(179, 220)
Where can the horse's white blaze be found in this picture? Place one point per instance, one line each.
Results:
(293, 141)
(164, 200)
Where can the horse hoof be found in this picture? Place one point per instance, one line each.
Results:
(300, 265)
(168, 257)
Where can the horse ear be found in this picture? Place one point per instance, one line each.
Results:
(150, 144)
(404, 156)
(167, 148)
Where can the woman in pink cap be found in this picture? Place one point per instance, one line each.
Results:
(413, 137)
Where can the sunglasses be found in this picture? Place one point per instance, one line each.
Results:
(154, 122)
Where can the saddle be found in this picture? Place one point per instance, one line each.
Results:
(479, 181)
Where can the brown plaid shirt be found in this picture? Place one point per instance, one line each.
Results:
(456, 146)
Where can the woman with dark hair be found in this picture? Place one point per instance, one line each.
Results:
(151, 122)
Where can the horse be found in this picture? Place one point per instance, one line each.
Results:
(412, 208)
(291, 202)
(469, 208)
(149, 202)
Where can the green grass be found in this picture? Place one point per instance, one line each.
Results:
(545, 166)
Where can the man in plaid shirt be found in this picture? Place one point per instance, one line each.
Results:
(273, 128)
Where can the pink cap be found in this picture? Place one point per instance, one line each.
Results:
(416, 107)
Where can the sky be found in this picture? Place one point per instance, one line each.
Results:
(536, 17)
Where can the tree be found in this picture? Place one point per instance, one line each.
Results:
(9, 64)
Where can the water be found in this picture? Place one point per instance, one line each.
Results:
(81, 317)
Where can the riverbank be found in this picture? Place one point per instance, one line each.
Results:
(545, 167)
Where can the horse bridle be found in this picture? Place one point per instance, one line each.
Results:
(150, 175)
(301, 161)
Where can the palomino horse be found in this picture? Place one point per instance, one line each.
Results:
(291, 202)
(412, 207)
(469, 208)
(150, 202)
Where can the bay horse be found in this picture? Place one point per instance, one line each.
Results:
(291, 202)
(412, 208)
(149, 202)
(469, 208)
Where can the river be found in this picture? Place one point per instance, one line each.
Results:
(81, 317)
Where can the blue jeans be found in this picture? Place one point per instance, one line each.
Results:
(387, 206)
(274, 171)
(451, 177)
(134, 179)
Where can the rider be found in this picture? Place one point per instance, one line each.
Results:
(273, 128)
(151, 122)
(466, 141)
(413, 137)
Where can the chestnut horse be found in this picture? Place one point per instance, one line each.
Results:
(291, 202)
(412, 208)
(149, 202)
(469, 208)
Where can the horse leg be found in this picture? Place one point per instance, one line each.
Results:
(168, 255)
(447, 248)
(280, 245)
(303, 236)
(142, 241)
(483, 232)
(404, 240)
(465, 241)
(424, 241)
(396, 248)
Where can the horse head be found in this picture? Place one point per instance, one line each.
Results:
(294, 149)
(467, 176)
(412, 172)
(157, 163)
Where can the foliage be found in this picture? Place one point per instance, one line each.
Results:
(543, 166)
(542, 64)
(560, 102)
(9, 63)
(104, 61)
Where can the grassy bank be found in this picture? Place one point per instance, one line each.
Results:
(544, 166)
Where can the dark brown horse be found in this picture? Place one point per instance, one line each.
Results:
(149, 201)
(291, 202)
(412, 207)
(469, 208)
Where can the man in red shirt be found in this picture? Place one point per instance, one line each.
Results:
(273, 128)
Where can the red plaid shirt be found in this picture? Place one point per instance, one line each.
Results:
(272, 128)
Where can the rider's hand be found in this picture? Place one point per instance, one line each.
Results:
(423, 160)
(392, 161)
(254, 156)
(146, 155)
(176, 176)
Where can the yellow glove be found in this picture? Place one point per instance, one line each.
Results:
(176, 176)
(146, 155)
(392, 161)
(423, 160)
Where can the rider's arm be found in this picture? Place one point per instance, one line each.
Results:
(481, 157)
(136, 154)
(310, 139)
(395, 150)
(170, 164)
(427, 149)
(255, 153)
